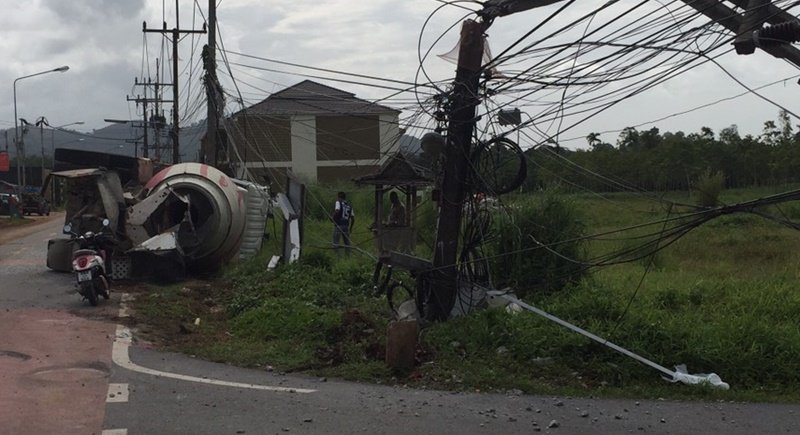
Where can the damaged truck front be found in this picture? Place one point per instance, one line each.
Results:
(90, 196)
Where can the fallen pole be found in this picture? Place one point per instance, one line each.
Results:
(678, 375)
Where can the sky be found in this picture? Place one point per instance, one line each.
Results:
(102, 43)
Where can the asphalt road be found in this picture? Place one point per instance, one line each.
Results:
(68, 368)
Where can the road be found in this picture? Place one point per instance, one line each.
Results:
(68, 368)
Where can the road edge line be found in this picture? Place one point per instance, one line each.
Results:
(121, 357)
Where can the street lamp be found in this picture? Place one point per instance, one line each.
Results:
(21, 146)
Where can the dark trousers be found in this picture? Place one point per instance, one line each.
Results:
(341, 233)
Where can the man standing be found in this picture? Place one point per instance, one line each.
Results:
(343, 220)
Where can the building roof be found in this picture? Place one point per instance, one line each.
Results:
(312, 98)
(396, 171)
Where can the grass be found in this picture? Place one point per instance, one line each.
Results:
(11, 222)
(722, 299)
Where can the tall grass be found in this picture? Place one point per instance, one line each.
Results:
(708, 187)
(535, 244)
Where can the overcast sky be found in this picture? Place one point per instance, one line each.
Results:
(102, 42)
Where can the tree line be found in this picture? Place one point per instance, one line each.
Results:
(655, 161)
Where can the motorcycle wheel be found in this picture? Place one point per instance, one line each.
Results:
(90, 293)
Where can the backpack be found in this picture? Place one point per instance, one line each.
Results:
(345, 211)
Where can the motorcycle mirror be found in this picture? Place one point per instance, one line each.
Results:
(67, 229)
(106, 222)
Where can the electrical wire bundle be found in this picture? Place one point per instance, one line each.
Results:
(561, 72)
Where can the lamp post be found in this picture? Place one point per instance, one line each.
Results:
(20, 146)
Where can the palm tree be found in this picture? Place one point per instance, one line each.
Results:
(593, 139)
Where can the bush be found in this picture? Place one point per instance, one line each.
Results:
(534, 245)
(708, 187)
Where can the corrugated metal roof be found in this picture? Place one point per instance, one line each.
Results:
(312, 98)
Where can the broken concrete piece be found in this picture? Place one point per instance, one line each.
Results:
(401, 344)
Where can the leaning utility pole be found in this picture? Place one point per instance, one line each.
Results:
(211, 153)
(461, 124)
(456, 168)
(176, 34)
(748, 26)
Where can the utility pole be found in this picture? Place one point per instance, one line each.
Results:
(146, 145)
(747, 26)
(176, 34)
(135, 142)
(41, 123)
(213, 92)
(461, 124)
(145, 101)
(456, 168)
(157, 114)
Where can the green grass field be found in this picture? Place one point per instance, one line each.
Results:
(721, 299)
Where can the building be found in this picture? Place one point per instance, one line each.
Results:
(319, 132)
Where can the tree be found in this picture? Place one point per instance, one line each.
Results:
(628, 138)
(706, 133)
(730, 135)
(787, 133)
(650, 139)
(593, 139)
(770, 133)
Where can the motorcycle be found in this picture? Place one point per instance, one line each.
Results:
(89, 263)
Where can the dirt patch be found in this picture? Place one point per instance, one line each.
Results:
(166, 316)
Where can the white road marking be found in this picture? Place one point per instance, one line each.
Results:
(120, 356)
(115, 432)
(117, 393)
(123, 305)
(123, 310)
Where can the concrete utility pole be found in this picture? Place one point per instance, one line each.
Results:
(743, 25)
(145, 121)
(157, 112)
(746, 25)
(460, 127)
(41, 123)
(145, 102)
(176, 34)
(213, 93)
(456, 168)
